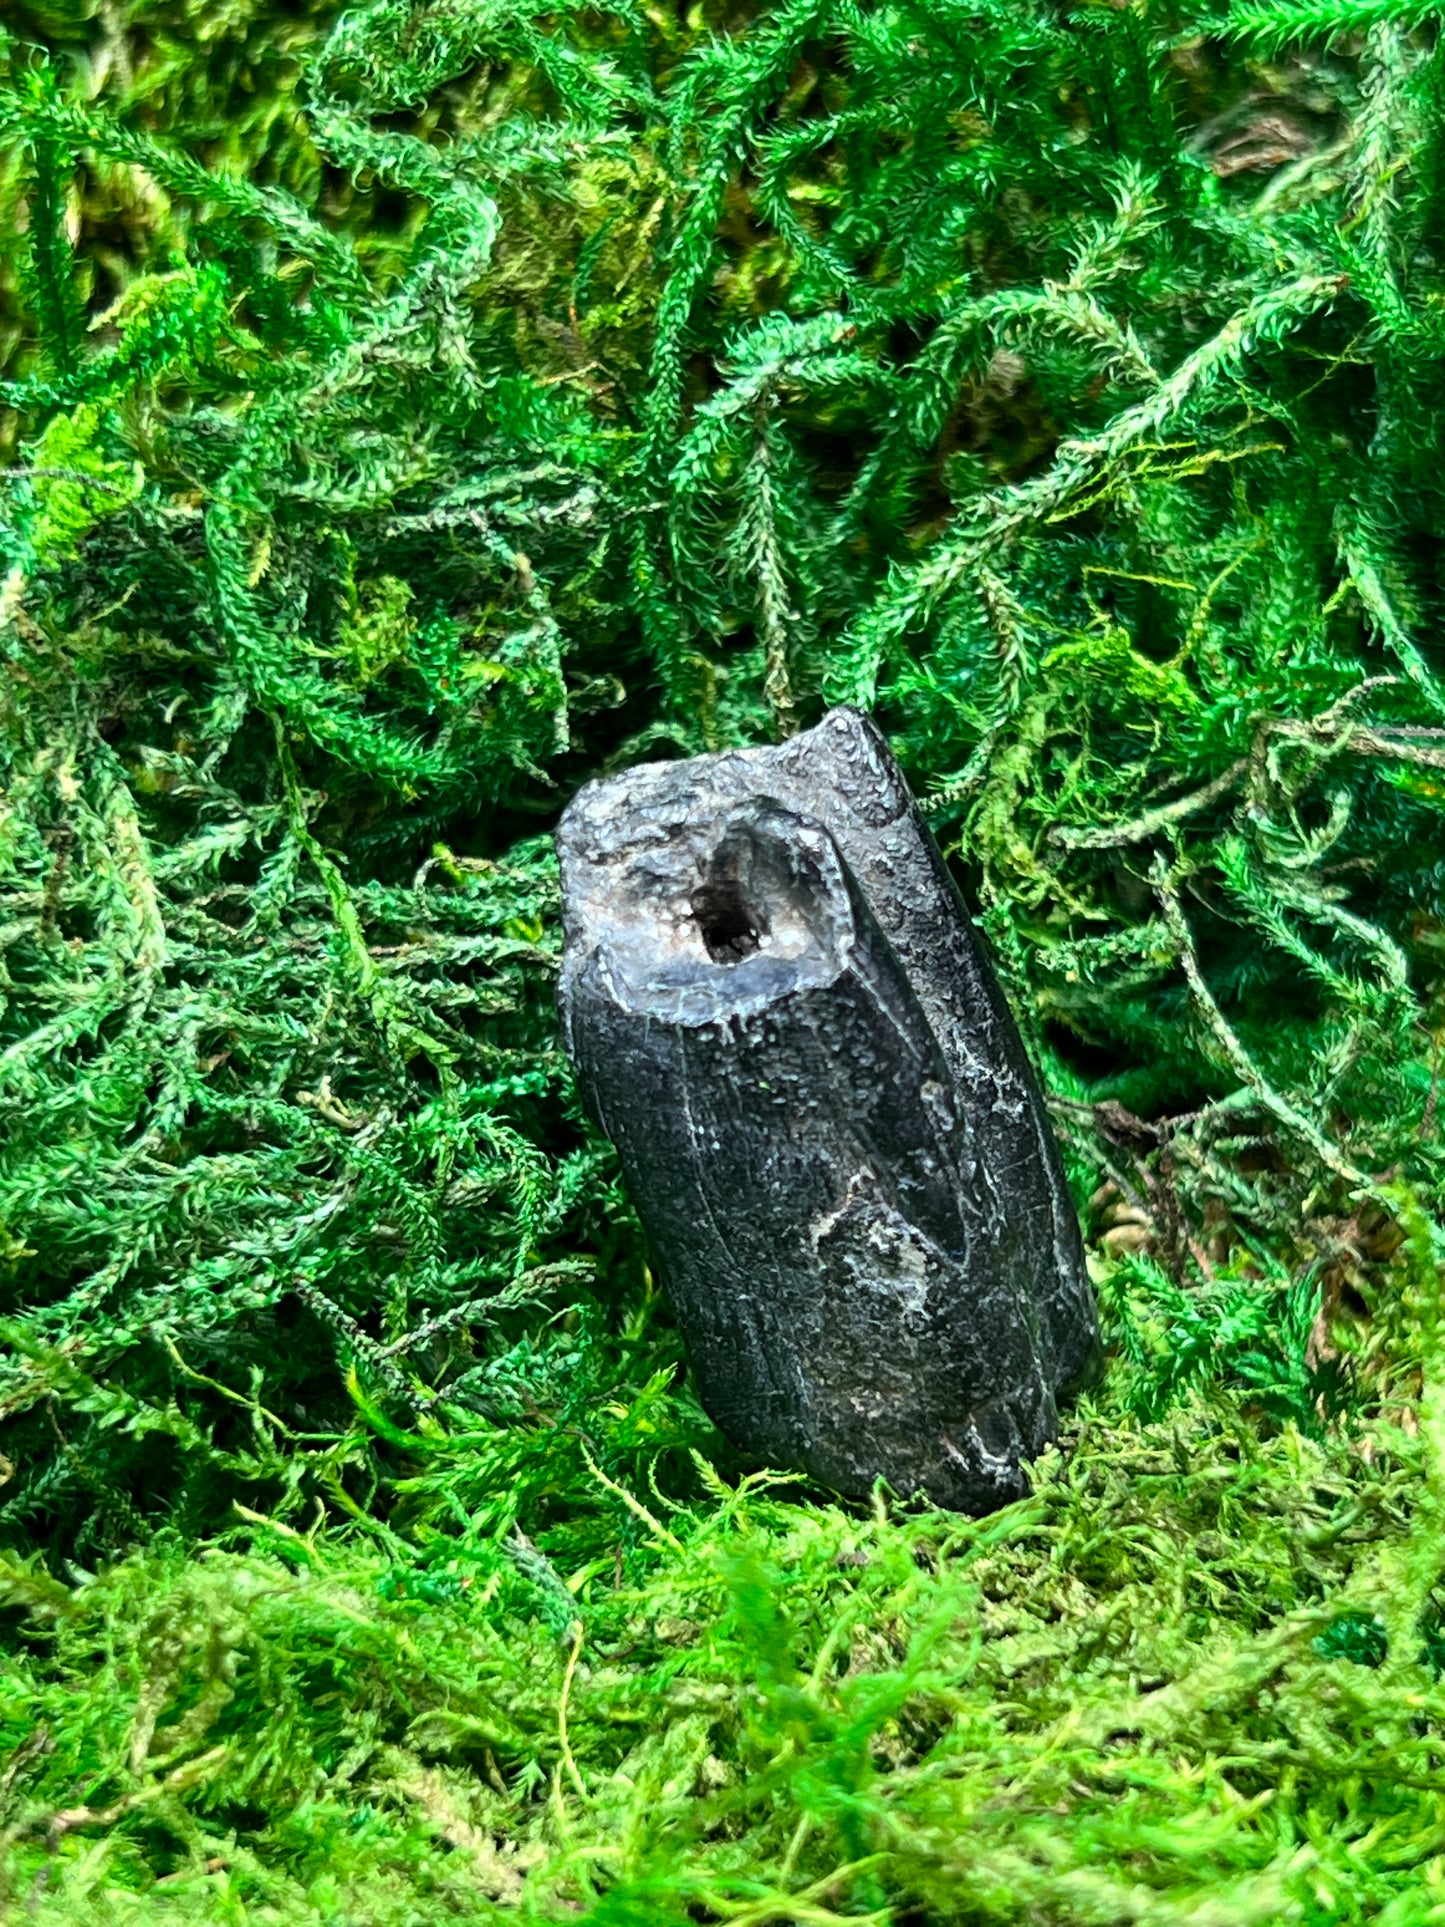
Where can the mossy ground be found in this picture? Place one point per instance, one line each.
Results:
(411, 411)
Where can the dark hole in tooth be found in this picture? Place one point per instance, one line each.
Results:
(729, 929)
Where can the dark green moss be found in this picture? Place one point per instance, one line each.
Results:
(412, 411)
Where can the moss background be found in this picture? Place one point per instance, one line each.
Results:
(408, 412)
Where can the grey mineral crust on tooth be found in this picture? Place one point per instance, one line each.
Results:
(781, 1016)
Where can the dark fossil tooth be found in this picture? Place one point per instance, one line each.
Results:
(781, 1016)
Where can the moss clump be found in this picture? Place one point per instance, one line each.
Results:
(411, 411)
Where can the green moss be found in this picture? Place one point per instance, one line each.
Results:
(412, 411)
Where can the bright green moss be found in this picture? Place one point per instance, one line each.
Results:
(413, 410)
